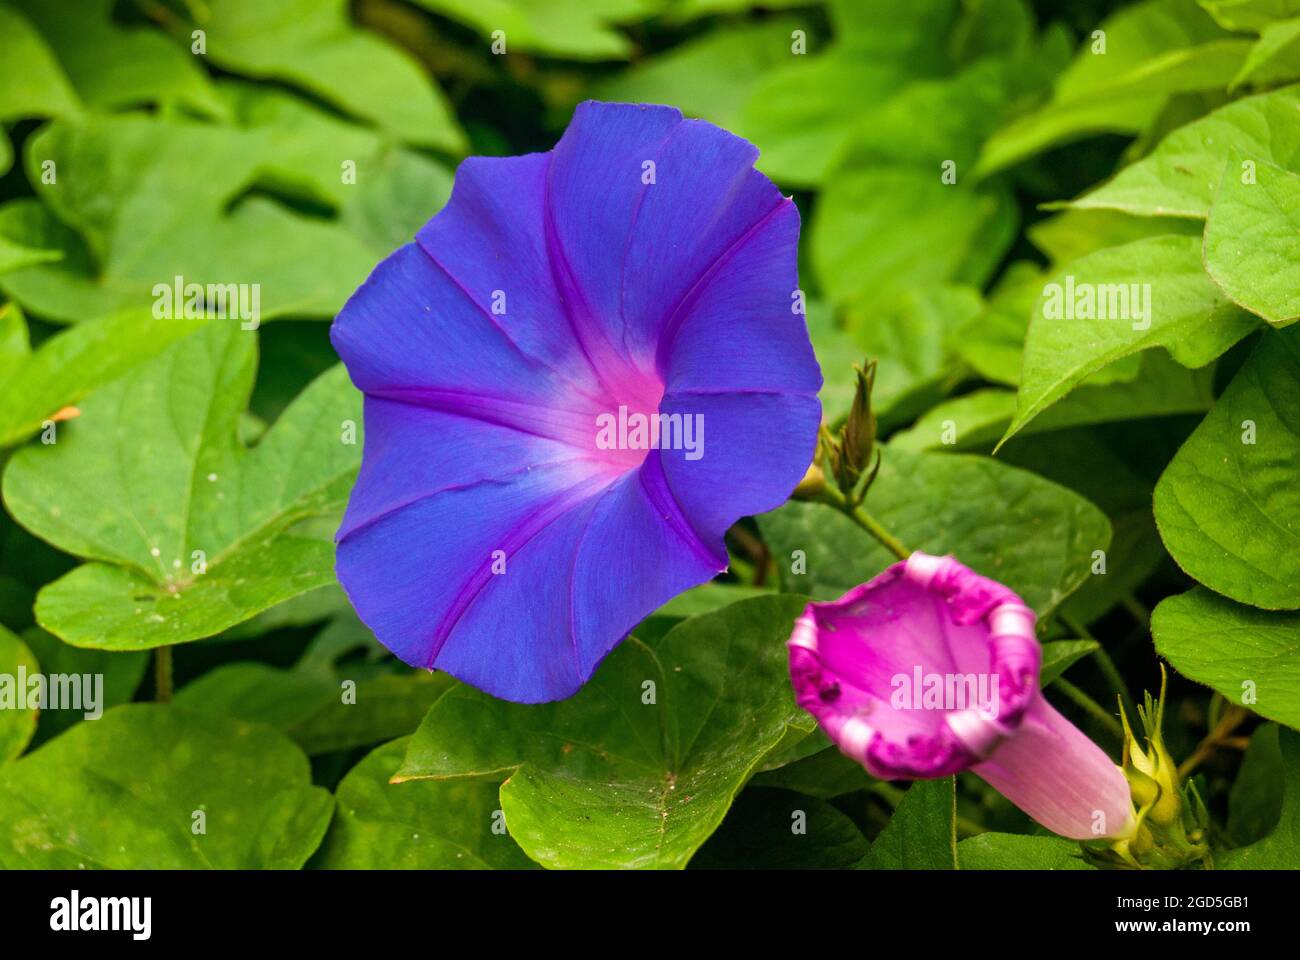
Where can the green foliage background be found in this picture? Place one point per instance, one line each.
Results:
(951, 158)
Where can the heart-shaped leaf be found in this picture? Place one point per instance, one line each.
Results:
(1280, 850)
(640, 766)
(421, 825)
(1228, 505)
(1111, 304)
(315, 46)
(1009, 524)
(1010, 851)
(922, 833)
(17, 713)
(36, 385)
(148, 786)
(1250, 656)
(188, 531)
(1252, 241)
(1180, 176)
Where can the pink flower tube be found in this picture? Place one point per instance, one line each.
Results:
(930, 669)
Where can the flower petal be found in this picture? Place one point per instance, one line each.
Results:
(571, 595)
(491, 240)
(927, 618)
(755, 448)
(1054, 773)
(634, 249)
(411, 327)
(552, 293)
(737, 329)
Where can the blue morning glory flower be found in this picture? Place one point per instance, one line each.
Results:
(586, 367)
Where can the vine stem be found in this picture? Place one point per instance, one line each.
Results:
(1105, 663)
(867, 522)
(162, 672)
(1090, 706)
(1232, 718)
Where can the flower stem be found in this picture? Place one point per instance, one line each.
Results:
(867, 522)
(1089, 706)
(162, 673)
(886, 539)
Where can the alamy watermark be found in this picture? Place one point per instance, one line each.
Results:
(1098, 301)
(651, 431)
(179, 300)
(53, 691)
(76, 913)
(919, 690)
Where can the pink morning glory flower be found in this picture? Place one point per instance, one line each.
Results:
(586, 367)
(930, 669)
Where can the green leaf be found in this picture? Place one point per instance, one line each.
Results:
(961, 111)
(155, 200)
(803, 116)
(1078, 231)
(113, 67)
(825, 774)
(556, 28)
(916, 32)
(770, 829)
(257, 693)
(1275, 57)
(152, 472)
(123, 792)
(1255, 803)
(16, 256)
(710, 77)
(1228, 505)
(1250, 656)
(1009, 851)
(317, 712)
(1153, 51)
(1008, 524)
(1153, 293)
(992, 341)
(1128, 104)
(908, 335)
(1102, 466)
(422, 825)
(1252, 15)
(1252, 239)
(16, 725)
(880, 230)
(977, 420)
(1280, 850)
(1060, 655)
(309, 153)
(606, 779)
(837, 352)
(121, 673)
(32, 84)
(323, 603)
(1181, 176)
(706, 598)
(74, 362)
(386, 705)
(314, 45)
(922, 833)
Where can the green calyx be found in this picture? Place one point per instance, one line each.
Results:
(1171, 827)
